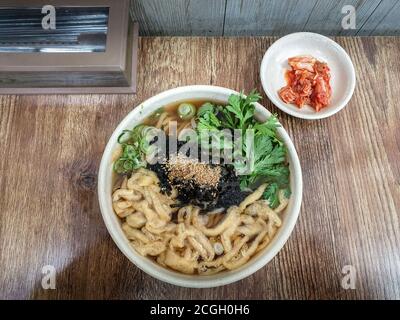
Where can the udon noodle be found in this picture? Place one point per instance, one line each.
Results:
(188, 242)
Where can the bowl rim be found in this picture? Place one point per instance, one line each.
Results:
(162, 273)
(296, 113)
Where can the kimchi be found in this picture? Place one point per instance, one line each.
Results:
(308, 83)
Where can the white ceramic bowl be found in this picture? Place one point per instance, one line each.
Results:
(275, 63)
(113, 222)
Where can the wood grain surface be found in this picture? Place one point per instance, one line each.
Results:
(51, 148)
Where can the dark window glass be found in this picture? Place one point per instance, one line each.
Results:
(80, 29)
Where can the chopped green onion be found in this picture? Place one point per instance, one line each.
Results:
(137, 132)
(129, 151)
(144, 145)
(186, 111)
(145, 131)
(118, 166)
(134, 147)
(125, 136)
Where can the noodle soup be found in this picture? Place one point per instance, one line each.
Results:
(195, 216)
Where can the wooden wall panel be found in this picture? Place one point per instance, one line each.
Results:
(263, 17)
(326, 17)
(384, 21)
(179, 17)
(266, 17)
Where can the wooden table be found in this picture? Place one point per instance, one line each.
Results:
(51, 148)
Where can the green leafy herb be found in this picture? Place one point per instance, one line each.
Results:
(287, 192)
(271, 194)
(205, 107)
(239, 112)
(208, 120)
(268, 152)
(268, 128)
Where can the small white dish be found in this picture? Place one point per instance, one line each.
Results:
(113, 223)
(275, 64)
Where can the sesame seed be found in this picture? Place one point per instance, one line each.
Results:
(184, 168)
